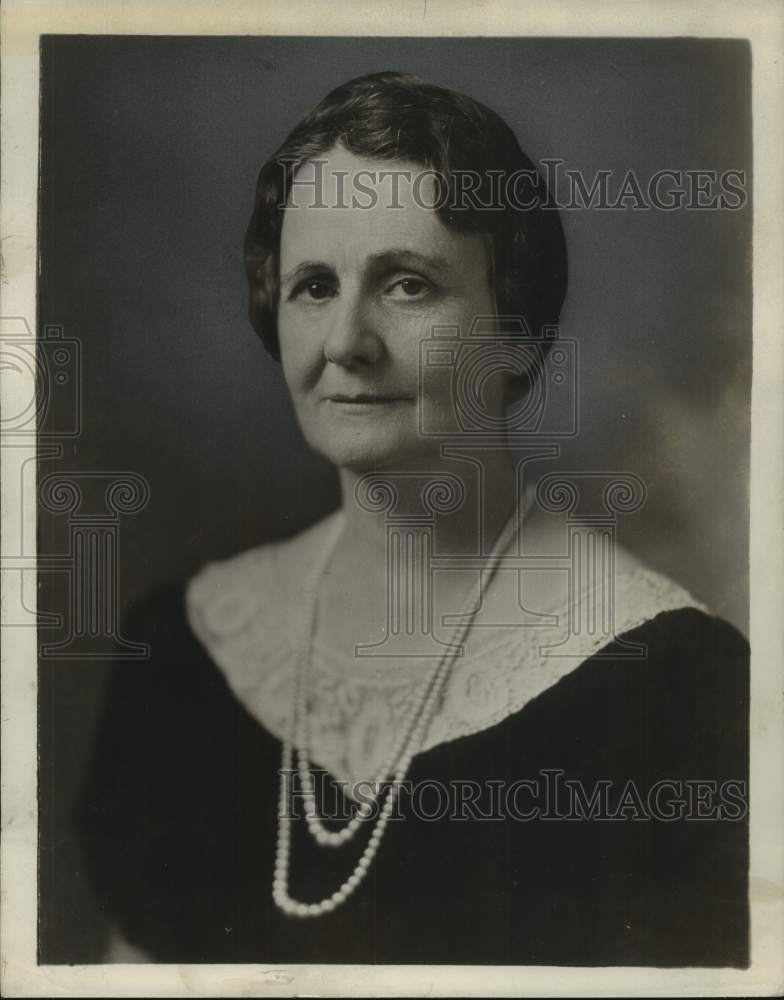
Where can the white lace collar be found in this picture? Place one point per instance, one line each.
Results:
(247, 611)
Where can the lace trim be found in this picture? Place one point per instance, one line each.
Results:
(247, 613)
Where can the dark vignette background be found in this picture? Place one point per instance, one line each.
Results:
(149, 151)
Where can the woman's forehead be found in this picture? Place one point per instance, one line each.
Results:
(345, 206)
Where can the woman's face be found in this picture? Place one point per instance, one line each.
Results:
(360, 289)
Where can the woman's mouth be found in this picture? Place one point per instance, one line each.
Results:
(364, 398)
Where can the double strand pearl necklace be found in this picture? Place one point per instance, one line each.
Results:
(397, 763)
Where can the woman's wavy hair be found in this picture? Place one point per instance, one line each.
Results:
(396, 116)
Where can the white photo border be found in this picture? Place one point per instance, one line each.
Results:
(23, 22)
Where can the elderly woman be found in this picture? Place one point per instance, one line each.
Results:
(443, 725)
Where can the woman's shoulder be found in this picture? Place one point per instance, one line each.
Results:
(668, 698)
(248, 616)
(618, 635)
(685, 655)
(643, 647)
(215, 624)
(263, 579)
(664, 635)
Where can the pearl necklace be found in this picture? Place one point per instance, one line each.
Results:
(397, 762)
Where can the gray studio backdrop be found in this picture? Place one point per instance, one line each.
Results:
(150, 149)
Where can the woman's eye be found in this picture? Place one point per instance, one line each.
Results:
(313, 290)
(410, 288)
(318, 290)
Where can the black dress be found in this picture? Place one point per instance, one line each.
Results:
(179, 818)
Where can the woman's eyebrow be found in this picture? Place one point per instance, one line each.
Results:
(304, 267)
(393, 257)
(405, 257)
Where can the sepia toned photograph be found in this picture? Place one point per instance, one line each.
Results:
(389, 443)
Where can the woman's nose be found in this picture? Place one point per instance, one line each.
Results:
(354, 338)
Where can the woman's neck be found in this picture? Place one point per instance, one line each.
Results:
(467, 514)
(393, 525)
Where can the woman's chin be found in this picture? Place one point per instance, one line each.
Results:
(361, 455)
